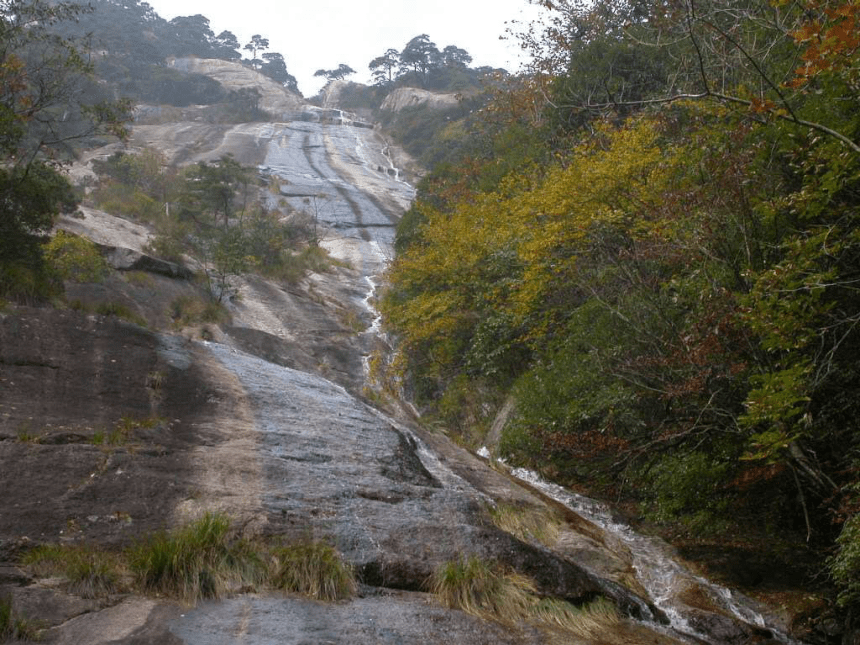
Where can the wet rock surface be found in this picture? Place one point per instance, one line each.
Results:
(388, 618)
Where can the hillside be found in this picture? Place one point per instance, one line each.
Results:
(255, 386)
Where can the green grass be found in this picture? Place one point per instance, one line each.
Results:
(140, 279)
(14, 627)
(122, 432)
(314, 569)
(90, 572)
(26, 435)
(200, 560)
(108, 309)
(120, 311)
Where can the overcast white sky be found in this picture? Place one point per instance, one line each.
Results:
(314, 34)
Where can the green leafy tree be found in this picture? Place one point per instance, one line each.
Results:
(384, 67)
(454, 56)
(192, 35)
(256, 44)
(275, 68)
(42, 113)
(341, 72)
(212, 203)
(419, 56)
(225, 45)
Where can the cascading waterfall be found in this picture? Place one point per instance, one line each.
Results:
(653, 560)
(375, 329)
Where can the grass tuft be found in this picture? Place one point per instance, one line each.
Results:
(478, 588)
(527, 524)
(203, 559)
(589, 622)
(200, 560)
(189, 310)
(483, 590)
(90, 572)
(120, 311)
(14, 627)
(314, 569)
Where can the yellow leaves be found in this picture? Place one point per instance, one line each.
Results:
(516, 249)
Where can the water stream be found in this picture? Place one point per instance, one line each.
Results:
(656, 566)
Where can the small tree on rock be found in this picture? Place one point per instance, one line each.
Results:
(257, 43)
(384, 67)
(338, 74)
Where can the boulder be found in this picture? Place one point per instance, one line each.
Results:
(123, 259)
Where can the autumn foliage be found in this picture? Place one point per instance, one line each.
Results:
(669, 294)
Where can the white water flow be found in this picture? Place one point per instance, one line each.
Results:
(657, 570)
(369, 303)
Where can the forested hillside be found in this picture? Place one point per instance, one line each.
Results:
(651, 248)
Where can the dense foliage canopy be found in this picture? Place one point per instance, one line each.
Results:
(49, 103)
(652, 249)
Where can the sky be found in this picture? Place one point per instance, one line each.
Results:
(322, 34)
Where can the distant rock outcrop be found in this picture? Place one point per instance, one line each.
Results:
(276, 99)
(404, 97)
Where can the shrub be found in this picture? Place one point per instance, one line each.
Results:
(688, 487)
(126, 201)
(28, 284)
(845, 564)
(74, 258)
(314, 569)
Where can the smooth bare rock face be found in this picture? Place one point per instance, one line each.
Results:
(187, 142)
(338, 469)
(275, 99)
(105, 229)
(404, 97)
(389, 618)
(101, 422)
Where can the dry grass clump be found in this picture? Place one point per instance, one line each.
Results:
(314, 569)
(191, 310)
(589, 622)
(480, 589)
(484, 590)
(527, 524)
